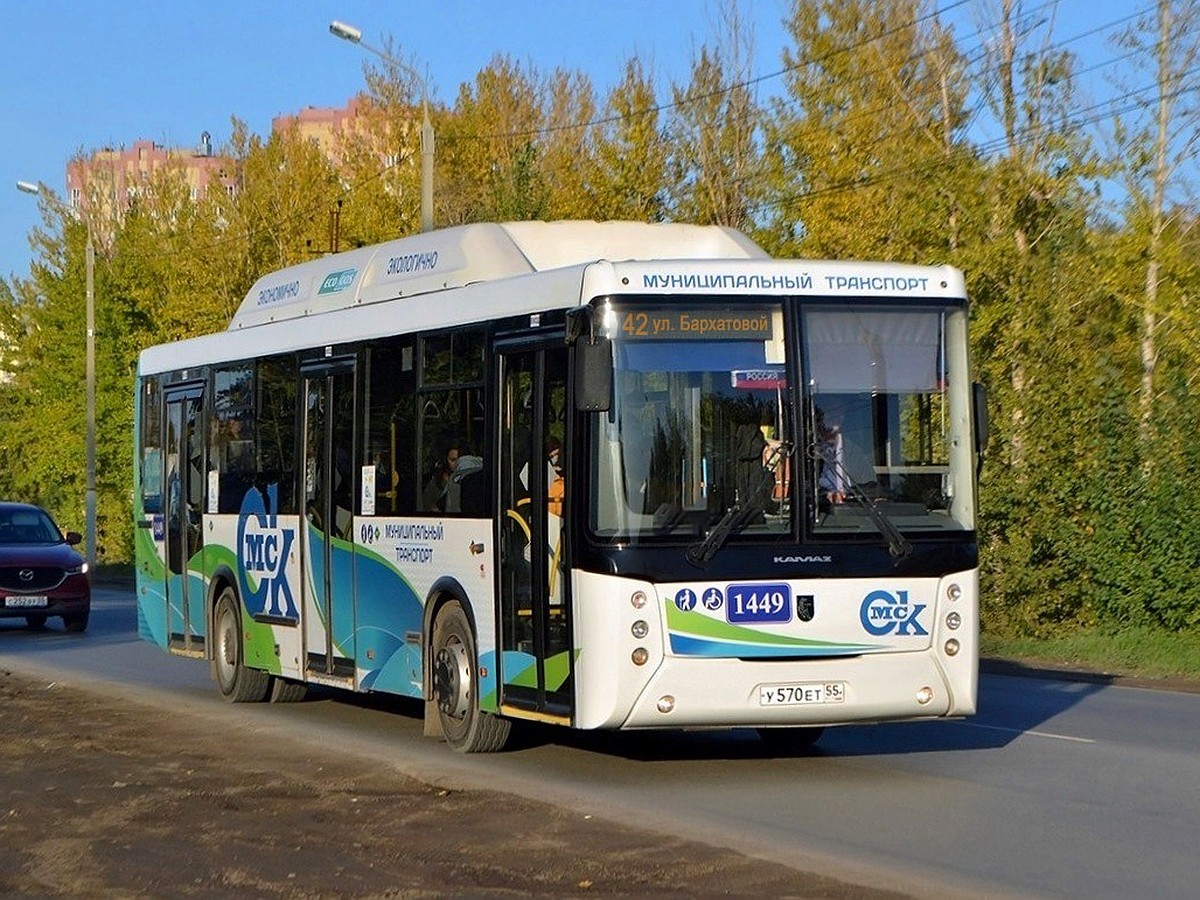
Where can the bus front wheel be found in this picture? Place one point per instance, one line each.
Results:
(466, 727)
(237, 683)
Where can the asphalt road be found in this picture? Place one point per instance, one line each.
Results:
(1057, 788)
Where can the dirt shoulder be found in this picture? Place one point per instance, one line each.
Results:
(103, 796)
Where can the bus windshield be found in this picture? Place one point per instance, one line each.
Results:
(705, 433)
(700, 423)
(887, 408)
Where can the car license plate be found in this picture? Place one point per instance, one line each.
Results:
(29, 600)
(804, 694)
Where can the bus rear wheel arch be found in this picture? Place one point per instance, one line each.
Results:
(237, 683)
(454, 680)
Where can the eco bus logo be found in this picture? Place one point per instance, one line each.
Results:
(884, 612)
(263, 549)
(337, 281)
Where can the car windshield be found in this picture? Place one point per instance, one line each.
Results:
(698, 430)
(27, 526)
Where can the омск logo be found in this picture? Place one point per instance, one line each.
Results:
(884, 612)
(263, 549)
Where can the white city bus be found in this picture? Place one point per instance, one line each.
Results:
(605, 475)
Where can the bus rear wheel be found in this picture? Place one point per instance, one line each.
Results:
(466, 727)
(237, 683)
(284, 690)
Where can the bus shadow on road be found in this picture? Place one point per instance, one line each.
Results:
(1010, 708)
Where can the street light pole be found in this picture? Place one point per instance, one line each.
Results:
(354, 36)
(30, 187)
(90, 315)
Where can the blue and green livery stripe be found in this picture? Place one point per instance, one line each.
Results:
(695, 634)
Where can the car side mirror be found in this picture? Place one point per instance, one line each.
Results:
(73, 538)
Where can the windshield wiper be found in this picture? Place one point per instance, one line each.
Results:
(735, 518)
(740, 514)
(897, 544)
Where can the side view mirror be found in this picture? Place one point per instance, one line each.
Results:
(979, 414)
(593, 374)
(73, 538)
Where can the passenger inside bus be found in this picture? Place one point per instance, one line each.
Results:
(440, 491)
(843, 463)
(455, 485)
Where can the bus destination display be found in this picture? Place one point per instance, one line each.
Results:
(696, 322)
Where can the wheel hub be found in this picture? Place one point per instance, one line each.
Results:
(452, 679)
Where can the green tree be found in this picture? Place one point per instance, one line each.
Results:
(715, 156)
(491, 149)
(1153, 143)
(863, 145)
(628, 177)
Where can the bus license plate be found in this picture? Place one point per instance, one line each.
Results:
(25, 602)
(801, 694)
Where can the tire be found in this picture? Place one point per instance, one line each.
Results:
(791, 740)
(35, 623)
(76, 623)
(455, 681)
(284, 690)
(237, 683)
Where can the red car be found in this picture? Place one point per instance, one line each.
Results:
(41, 575)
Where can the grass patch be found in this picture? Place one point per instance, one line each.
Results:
(1145, 652)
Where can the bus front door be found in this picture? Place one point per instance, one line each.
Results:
(326, 528)
(182, 534)
(535, 621)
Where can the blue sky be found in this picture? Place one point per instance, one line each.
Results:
(79, 74)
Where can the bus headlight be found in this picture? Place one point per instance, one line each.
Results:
(666, 703)
(952, 647)
(953, 620)
(924, 695)
(640, 629)
(638, 599)
(953, 592)
(640, 656)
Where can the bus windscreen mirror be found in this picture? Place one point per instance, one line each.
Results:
(593, 374)
(979, 411)
(579, 323)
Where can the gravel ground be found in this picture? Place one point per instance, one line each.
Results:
(103, 797)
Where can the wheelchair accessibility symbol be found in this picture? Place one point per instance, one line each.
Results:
(713, 598)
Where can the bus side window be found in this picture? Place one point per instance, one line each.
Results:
(150, 439)
(276, 412)
(390, 424)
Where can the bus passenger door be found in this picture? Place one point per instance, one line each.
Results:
(535, 622)
(328, 582)
(182, 534)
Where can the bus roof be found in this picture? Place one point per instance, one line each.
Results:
(467, 254)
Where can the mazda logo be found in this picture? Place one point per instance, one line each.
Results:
(25, 574)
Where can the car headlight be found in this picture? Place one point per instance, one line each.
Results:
(80, 569)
